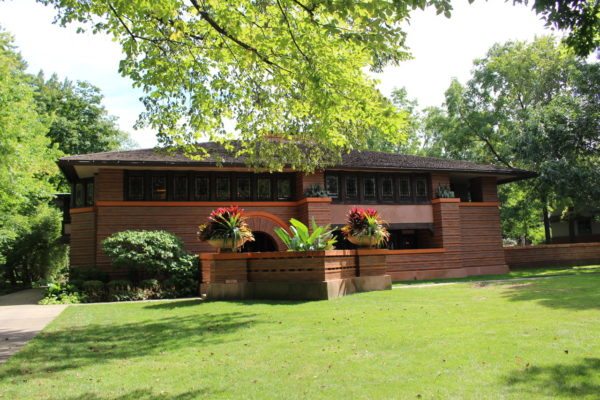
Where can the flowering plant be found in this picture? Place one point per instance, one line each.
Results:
(228, 225)
(365, 226)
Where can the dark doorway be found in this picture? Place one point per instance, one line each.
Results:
(262, 242)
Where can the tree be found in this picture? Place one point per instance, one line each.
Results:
(287, 68)
(580, 17)
(26, 155)
(533, 106)
(79, 123)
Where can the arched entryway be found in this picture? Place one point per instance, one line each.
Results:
(263, 242)
(265, 222)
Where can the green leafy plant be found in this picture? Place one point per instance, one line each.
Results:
(228, 225)
(302, 239)
(94, 291)
(62, 293)
(444, 192)
(315, 190)
(365, 225)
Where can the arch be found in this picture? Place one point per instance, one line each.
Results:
(263, 242)
(262, 221)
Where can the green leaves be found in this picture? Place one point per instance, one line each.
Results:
(302, 239)
(254, 70)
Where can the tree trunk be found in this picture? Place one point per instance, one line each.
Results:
(547, 224)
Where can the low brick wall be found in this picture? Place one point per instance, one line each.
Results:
(311, 275)
(552, 255)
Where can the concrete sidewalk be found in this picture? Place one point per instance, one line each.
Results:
(21, 318)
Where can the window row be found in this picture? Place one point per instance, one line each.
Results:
(83, 193)
(377, 188)
(208, 186)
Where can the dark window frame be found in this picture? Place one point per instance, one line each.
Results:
(85, 183)
(211, 177)
(342, 177)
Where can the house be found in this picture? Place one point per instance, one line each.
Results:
(431, 237)
(575, 227)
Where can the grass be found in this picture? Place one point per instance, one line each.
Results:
(515, 274)
(535, 339)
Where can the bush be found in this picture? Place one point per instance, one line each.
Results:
(94, 291)
(61, 293)
(156, 252)
(121, 290)
(87, 274)
(151, 289)
(36, 251)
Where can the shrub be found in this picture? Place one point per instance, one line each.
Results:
(158, 252)
(151, 289)
(87, 274)
(153, 251)
(366, 223)
(227, 224)
(61, 293)
(122, 290)
(36, 251)
(301, 239)
(94, 291)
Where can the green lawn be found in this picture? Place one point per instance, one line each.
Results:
(520, 340)
(515, 274)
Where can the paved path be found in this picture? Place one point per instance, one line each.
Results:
(21, 318)
(484, 281)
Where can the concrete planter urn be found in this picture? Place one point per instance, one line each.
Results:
(363, 241)
(225, 245)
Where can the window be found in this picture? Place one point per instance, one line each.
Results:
(89, 194)
(387, 188)
(159, 187)
(369, 191)
(180, 187)
(263, 188)
(421, 187)
(243, 189)
(284, 189)
(332, 186)
(223, 191)
(584, 226)
(404, 188)
(135, 187)
(351, 187)
(79, 195)
(201, 188)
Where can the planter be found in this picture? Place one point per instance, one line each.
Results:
(225, 244)
(363, 241)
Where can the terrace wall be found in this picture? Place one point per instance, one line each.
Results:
(552, 255)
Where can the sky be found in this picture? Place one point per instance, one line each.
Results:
(441, 48)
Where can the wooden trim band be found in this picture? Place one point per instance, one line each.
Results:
(444, 200)
(126, 203)
(311, 254)
(481, 204)
(81, 210)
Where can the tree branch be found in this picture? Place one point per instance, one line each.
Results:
(287, 22)
(222, 31)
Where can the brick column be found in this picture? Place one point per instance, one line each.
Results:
(447, 233)
(319, 208)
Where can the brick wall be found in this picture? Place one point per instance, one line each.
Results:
(552, 255)
(83, 236)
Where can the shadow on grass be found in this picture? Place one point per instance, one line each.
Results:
(142, 395)
(77, 347)
(172, 305)
(577, 380)
(569, 292)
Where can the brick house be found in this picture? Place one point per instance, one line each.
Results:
(430, 237)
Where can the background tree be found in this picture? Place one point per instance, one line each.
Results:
(26, 155)
(79, 123)
(533, 106)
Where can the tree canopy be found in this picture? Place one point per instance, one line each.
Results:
(293, 69)
(533, 106)
(79, 123)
